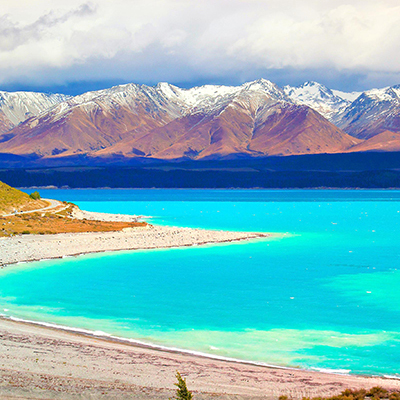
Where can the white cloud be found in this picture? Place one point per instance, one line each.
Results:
(190, 39)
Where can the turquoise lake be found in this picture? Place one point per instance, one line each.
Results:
(323, 294)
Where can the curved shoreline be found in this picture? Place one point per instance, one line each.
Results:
(104, 336)
(208, 375)
(100, 335)
(50, 362)
(27, 248)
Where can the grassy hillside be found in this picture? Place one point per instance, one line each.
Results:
(13, 199)
(57, 220)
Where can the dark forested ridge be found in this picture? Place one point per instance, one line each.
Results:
(355, 170)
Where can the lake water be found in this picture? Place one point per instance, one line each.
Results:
(324, 294)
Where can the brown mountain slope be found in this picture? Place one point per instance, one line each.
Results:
(78, 131)
(92, 121)
(275, 129)
(155, 140)
(281, 129)
(226, 133)
(385, 141)
(5, 125)
(218, 129)
(373, 112)
(294, 130)
(160, 122)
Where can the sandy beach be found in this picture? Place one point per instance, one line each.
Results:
(23, 248)
(45, 363)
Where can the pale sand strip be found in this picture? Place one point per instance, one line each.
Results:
(36, 247)
(45, 363)
(98, 216)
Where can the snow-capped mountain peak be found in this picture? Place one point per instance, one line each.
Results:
(165, 121)
(373, 112)
(349, 96)
(386, 94)
(19, 106)
(310, 89)
(318, 97)
(266, 87)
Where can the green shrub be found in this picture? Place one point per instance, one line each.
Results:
(375, 393)
(182, 393)
(378, 392)
(35, 196)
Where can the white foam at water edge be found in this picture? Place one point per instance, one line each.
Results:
(101, 333)
(332, 371)
(392, 376)
(182, 351)
(142, 343)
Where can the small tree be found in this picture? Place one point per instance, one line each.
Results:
(35, 196)
(182, 393)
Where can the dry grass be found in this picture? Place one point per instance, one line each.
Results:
(13, 199)
(375, 393)
(51, 223)
(58, 220)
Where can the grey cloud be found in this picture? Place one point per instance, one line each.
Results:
(341, 42)
(12, 35)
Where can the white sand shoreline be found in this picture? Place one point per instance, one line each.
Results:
(26, 248)
(99, 335)
(38, 362)
(175, 350)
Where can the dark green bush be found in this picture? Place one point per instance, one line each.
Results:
(182, 393)
(376, 393)
(35, 196)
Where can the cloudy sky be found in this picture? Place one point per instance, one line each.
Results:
(78, 45)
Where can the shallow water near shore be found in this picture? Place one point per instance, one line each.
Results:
(324, 294)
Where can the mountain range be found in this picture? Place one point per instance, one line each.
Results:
(207, 122)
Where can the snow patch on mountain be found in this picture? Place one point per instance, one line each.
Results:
(209, 98)
(385, 94)
(318, 97)
(373, 112)
(19, 106)
(349, 96)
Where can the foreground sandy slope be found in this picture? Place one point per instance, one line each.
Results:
(43, 363)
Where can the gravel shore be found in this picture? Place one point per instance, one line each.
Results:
(45, 363)
(98, 216)
(36, 247)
